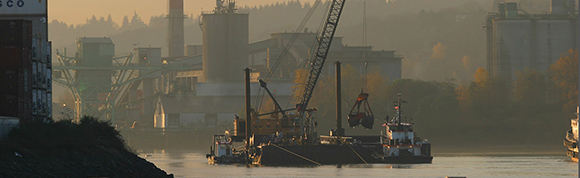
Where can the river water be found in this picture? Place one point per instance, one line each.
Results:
(194, 164)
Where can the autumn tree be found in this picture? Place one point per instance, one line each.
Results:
(481, 77)
(375, 84)
(439, 51)
(300, 79)
(564, 74)
(485, 96)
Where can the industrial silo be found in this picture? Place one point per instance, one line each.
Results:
(225, 43)
(562, 6)
(95, 55)
(528, 41)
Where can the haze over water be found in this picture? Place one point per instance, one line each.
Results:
(192, 164)
(416, 34)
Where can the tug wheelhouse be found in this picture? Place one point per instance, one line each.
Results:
(401, 144)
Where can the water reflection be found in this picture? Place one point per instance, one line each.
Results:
(194, 164)
(176, 164)
(360, 166)
(399, 166)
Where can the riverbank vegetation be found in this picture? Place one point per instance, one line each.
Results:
(88, 148)
(529, 111)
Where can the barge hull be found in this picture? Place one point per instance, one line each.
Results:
(273, 155)
(409, 159)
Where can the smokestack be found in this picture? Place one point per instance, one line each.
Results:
(175, 35)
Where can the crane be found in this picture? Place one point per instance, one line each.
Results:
(324, 41)
(321, 52)
(285, 51)
(316, 65)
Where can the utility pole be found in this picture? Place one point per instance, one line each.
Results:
(339, 129)
(578, 109)
(248, 110)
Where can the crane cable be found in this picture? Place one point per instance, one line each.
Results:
(286, 49)
(305, 62)
(365, 73)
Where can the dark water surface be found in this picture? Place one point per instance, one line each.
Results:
(194, 164)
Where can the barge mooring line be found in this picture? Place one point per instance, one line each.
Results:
(358, 154)
(295, 154)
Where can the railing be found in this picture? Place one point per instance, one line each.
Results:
(570, 135)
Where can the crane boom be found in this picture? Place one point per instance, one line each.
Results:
(319, 56)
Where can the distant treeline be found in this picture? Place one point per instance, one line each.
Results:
(534, 110)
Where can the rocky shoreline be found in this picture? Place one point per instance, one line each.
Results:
(89, 148)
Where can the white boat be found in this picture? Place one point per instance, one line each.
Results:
(400, 143)
(571, 139)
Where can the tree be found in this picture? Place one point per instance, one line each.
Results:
(376, 84)
(564, 74)
(485, 96)
(481, 77)
(125, 22)
(111, 23)
(530, 90)
(93, 20)
(300, 79)
(136, 22)
(439, 51)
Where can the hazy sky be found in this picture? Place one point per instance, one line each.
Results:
(78, 11)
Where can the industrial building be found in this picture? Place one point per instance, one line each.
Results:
(200, 87)
(517, 40)
(25, 64)
(264, 54)
(225, 43)
(211, 97)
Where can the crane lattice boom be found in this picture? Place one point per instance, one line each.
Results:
(319, 56)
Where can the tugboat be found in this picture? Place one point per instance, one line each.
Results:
(400, 143)
(571, 137)
(223, 152)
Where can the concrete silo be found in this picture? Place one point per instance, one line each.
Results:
(516, 41)
(562, 6)
(225, 43)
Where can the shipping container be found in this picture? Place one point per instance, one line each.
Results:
(9, 105)
(49, 103)
(10, 56)
(48, 77)
(24, 106)
(34, 103)
(34, 76)
(44, 102)
(16, 32)
(49, 52)
(26, 58)
(43, 78)
(25, 83)
(34, 49)
(15, 56)
(9, 78)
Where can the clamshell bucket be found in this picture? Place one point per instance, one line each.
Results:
(355, 119)
(361, 116)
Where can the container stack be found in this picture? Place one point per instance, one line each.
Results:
(16, 69)
(41, 81)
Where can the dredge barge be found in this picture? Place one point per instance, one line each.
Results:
(279, 138)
